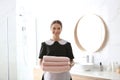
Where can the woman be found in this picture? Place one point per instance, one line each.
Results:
(56, 47)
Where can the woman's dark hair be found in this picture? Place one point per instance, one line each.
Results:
(58, 22)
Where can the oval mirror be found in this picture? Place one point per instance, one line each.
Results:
(90, 33)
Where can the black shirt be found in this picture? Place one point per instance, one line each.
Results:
(56, 48)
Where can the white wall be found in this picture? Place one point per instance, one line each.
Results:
(26, 39)
(69, 12)
(26, 47)
(8, 40)
(17, 45)
(3, 49)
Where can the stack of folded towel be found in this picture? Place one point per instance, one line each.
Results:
(55, 64)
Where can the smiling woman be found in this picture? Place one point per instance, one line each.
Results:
(90, 33)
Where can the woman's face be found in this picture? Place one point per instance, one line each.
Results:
(56, 29)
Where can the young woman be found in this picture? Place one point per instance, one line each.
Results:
(56, 47)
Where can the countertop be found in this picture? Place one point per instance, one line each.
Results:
(94, 73)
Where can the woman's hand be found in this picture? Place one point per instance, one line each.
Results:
(72, 63)
(40, 62)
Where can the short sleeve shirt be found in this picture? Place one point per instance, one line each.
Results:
(56, 48)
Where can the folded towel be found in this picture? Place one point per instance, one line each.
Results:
(55, 59)
(55, 63)
(56, 69)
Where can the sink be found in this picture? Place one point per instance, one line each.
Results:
(86, 66)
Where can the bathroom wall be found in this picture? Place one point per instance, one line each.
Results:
(26, 39)
(17, 46)
(69, 12)
(8, 40)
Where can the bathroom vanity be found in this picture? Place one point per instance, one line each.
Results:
(81, 77)
(78, 74)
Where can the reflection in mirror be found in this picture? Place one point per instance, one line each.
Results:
(90, 33)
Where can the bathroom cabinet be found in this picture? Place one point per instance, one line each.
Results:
(80, 77)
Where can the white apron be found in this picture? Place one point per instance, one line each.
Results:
(57, 76)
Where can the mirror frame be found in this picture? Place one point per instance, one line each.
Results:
(102, 44)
